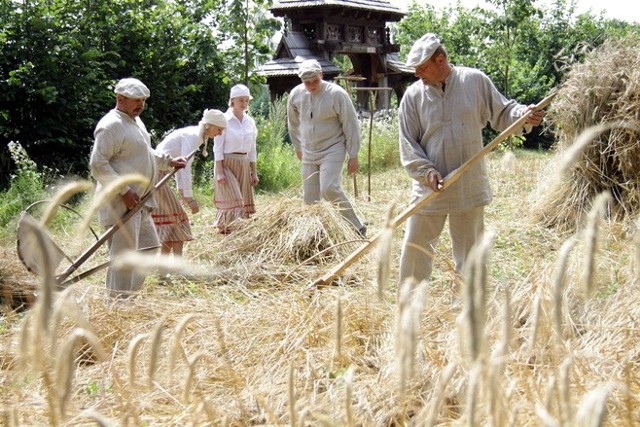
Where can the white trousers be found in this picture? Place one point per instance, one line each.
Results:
(421, 237)
(324, 181)
(137, 233)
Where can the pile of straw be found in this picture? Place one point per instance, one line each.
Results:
(596, 119)
(17, 286)
(284, 239)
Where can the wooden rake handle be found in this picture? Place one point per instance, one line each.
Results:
(446, 183)
(60, 279)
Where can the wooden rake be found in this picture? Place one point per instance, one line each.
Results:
(452, 177)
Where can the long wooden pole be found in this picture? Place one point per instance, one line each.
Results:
(446, 183)
(60, 279)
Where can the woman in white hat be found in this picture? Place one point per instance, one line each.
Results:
(235, 162)
(171, 220)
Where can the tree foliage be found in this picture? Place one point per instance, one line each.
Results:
(525, 49)
(60, 59)
(247, 29)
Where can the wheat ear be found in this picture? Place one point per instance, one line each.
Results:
(66, 363)
(385, 244)
(591, 239)
(132, 353)
(156, 340)
(62, 196)
(176, 348)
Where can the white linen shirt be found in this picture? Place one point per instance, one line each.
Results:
(238, 137)
(324, 125)
(122, 147)
(443, 129)
(181, 143)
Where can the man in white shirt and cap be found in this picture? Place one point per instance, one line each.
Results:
(441, 118)
(122, 146)
(324, 129)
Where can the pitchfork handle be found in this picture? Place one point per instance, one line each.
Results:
(115, 227)
(446, 182)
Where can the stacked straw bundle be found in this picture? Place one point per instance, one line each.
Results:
(596, 119)
(285, 236)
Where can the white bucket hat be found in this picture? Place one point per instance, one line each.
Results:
(422, 50)
(239, 90)
(132, 88)
(214, 117)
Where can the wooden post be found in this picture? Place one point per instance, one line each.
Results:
(373, 92)
(349, 79)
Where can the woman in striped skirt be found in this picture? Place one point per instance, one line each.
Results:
(171, 220)
(235, 162)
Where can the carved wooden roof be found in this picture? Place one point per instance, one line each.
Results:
(291, 51)
(393, 13)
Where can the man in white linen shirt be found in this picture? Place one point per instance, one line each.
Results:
(122, 147)
(441, 118)
(324, 129)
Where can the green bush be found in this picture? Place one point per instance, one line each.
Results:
(278, 167)
(384, 144)
(26, 186)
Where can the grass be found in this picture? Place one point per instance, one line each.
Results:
(240, 345)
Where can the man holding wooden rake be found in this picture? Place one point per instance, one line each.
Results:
(122, 148)
(441, 118)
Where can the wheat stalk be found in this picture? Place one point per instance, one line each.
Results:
(190, 374)
(475, 294)
(564, 388)
(558, 288)
(66, 363)
(591, 238)
(410, 304)
(385, 245)
(61, 197)
(338, 337)
(132, 353)
(176, 347)
(593, 408)
(348, 383)
(475, 376)
(535, 321)
(438, 394)
(156, 340)
(292, 395)
(99, 419)
(107, 193)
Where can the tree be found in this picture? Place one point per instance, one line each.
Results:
(60, 59)
(247, 28)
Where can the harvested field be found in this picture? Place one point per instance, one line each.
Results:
(239, 339)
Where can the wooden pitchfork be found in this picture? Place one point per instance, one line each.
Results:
(452, 177)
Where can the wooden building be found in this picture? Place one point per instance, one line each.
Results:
(322, 29)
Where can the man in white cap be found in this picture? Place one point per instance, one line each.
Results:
(122, 146)
(324, 129)
(441, 118)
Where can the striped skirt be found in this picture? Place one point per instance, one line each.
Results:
(235, 198)
(171, 220)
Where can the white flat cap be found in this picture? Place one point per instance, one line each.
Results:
(214, 117)
(308, 69)
(132, 88)
(422, 50)
(239, 90)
